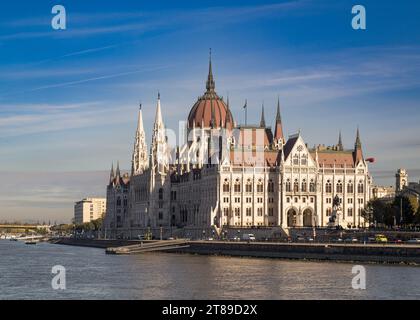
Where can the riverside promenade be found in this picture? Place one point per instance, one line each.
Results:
(368, 253)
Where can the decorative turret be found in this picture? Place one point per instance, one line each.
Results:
(118, 174)
(340, 146)
(210, 84)
(262, 122)
(159, 147)
(278, 129)
(358, 155)
(112, 174)
(140, 157)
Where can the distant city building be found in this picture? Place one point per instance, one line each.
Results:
(401, 180)
(234, 176)
(406, 188)
(89, 209)
(384, 193)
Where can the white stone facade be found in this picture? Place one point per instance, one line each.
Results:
(221, 179)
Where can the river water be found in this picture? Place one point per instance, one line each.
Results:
(25, 273)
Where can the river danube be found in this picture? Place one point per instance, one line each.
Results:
(25, 273)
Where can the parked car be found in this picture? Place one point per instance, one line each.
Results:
(414, 240)
(235, 238)
(248, 237)
(380, 238)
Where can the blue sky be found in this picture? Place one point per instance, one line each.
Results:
(69, 98)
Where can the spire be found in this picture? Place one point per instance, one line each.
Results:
(340, 143)
(278, 116)
(278, 130)
(112, 174)
(262, 122)
(117, 174)
(210, 85)
(358, 144)
(140, 158)
(358, 155)
(159, 148)
(158, 117)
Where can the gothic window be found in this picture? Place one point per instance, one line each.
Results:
(339, 187)
(304, 160)
(296, 160)
(260, 212)
(118, 201)
(248, 212)
(225, 212)
(226, 186)
(288, 186)
(304, 186)
(237, 187)
(248, 186)
(260, 186)
(360, 187)
(296, 186)
(350, 187)
(329, 210)
(237, 212)
(160, 216)
(270, 212)
(312, 186)
(125, 202)
(328, 187)
(160, 194)
(350, 212)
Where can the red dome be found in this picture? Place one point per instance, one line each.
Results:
(210, 111)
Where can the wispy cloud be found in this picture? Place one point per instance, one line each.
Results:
(117, 23)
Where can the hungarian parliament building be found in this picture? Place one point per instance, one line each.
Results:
(230, 176)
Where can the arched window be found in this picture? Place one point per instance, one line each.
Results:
(248, 186)
(296, 186)
(296, 160)
(328, 187)
(360, 187)
(237, 187)
(226, 187)
(329, 210)
(312, 186)
(160, 194)
(350, 187)
(339, 187)
(260, 186)
(304, 185)
(288, 185)
(118, 201)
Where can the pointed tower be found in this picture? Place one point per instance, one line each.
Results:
(262, 122)
(340, 146)
(210, 84)
(112, 174)
(159, 148)
(357, 153)
(278, 129)
(140, 157)
(118, 174)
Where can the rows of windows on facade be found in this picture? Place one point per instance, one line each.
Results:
(286, 185)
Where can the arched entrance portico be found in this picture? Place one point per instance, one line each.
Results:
(308, 220)
(291, 218)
